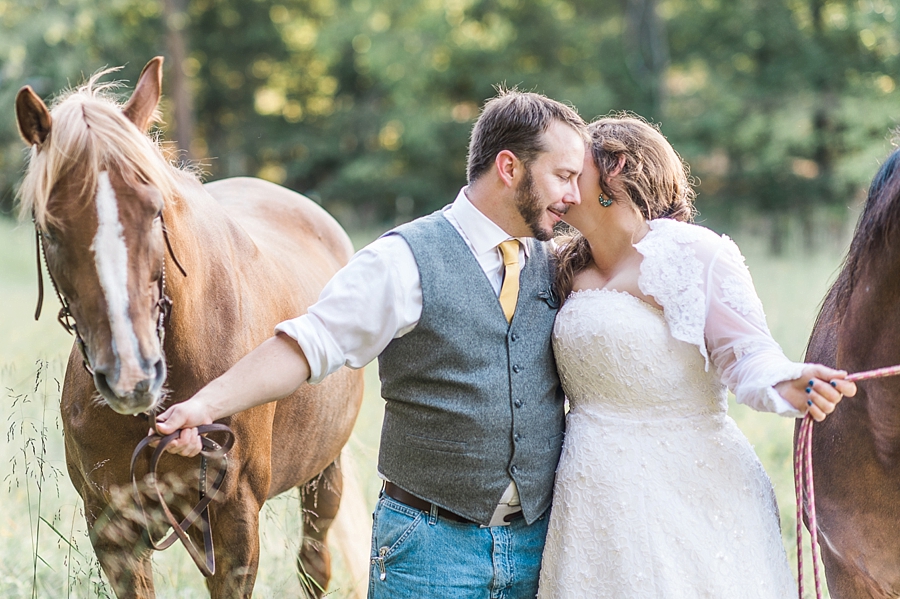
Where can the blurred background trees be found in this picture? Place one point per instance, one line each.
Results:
(783, 108)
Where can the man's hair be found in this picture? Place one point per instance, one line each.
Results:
(515, 121)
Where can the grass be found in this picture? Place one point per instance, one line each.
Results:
(44, 550)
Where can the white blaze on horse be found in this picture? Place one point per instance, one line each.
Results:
(125, 235)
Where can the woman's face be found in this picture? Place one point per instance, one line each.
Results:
(583, 215)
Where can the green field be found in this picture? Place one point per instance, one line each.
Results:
(44, 550)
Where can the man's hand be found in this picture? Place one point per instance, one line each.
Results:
(273, 370)
(818, 390)
(187, 415)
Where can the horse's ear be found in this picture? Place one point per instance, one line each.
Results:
(141, 108)
(32, 117)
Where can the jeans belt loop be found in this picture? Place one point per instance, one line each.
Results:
(433, 515)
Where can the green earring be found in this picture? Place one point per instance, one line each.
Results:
(605, 202)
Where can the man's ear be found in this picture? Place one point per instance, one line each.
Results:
(507, 166)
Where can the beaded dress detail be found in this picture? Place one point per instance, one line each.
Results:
(658, 493)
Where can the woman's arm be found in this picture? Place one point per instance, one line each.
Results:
(749, 360)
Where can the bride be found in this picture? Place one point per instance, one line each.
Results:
(658, 494)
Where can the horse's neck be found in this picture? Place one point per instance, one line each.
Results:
(869, 337)
(204, 328)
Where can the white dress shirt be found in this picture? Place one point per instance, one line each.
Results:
(377, 296)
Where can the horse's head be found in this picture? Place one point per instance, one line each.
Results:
(96, 186)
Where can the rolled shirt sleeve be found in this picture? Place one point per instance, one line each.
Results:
(374, 299)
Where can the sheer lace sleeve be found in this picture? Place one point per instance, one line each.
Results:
(709, 300)
(748, 359)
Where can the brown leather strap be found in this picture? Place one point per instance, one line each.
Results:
(199, 514)
(398, 494)
(40, 301)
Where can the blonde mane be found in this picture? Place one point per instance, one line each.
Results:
(90, 132)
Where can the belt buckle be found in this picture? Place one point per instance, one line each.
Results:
(503, 510)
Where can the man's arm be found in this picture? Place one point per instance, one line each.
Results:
(376, 297)
(275, 369)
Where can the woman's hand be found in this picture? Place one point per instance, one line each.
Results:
(818, 390)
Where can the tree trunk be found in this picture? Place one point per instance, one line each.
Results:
(175, 14)
(647, 50)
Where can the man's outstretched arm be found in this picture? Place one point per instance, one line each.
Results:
(275, 369)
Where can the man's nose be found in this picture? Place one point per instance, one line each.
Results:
(574, 196)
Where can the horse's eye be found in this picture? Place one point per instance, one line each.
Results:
(158, 217)
(48, 235)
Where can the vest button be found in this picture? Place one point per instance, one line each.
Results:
(517, 437)
(518, 403)
(517, 368)
(513, 469)
(514, 337)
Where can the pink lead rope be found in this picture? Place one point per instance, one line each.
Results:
(803, 483)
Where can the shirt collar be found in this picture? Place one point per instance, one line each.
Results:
(483, 234)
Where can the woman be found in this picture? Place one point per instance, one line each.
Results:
(658, 494)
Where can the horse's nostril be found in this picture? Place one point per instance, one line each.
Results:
(102, 383)
(142, 386)
(160, 370)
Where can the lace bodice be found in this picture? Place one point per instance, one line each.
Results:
(615, 354)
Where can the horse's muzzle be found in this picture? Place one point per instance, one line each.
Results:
(131, 394)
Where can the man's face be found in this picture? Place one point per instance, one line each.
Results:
(550, 183)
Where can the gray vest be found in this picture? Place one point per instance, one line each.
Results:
(472, 401)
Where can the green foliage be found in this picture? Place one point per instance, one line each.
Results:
(783, 106)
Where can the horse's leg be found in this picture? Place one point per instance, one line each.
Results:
(235, 525)
(122, 553)
(320, 499)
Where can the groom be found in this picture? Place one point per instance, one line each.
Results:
(458, 308)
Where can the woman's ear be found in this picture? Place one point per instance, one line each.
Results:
(619, 166)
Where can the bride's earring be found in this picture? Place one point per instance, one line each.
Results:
(605, 202)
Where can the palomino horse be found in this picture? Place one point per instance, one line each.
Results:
(856, 450)
(107, 204)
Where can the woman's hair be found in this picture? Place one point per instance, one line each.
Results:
(653, 178)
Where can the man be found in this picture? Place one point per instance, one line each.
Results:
(459, 309)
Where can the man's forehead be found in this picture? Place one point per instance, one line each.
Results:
(563, 143)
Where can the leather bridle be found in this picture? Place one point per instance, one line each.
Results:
(65, 317)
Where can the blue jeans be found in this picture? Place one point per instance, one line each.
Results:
(418, 555)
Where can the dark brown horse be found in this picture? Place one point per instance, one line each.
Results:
(856, 450)
(106, 204)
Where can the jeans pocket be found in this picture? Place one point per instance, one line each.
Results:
(394, 523)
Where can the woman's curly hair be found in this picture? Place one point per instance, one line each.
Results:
(655, 179)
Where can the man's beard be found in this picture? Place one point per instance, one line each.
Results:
(531, 208)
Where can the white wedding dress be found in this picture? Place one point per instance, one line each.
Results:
(658, 494)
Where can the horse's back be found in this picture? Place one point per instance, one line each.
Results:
(270, 213)
(283, 242)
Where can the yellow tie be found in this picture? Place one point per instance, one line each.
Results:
(509, 292)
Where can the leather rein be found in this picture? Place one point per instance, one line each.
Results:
(211, 450)
(804, 490)
(199, 514)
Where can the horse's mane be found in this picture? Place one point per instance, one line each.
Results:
(89, 131)
(877, 226)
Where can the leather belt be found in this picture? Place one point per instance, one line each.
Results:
(398, 494)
